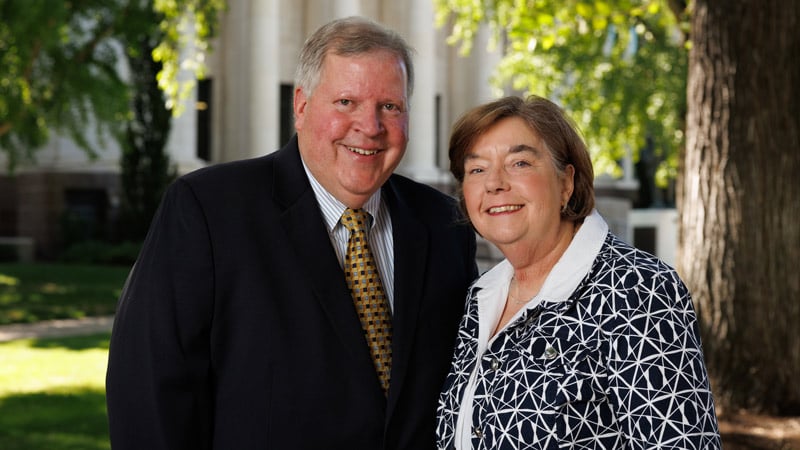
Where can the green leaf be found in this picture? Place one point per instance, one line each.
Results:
(621, 88)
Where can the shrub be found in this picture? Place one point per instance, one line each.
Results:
(8, 253)
(96, 252)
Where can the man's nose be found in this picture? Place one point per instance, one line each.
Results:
(369, 121)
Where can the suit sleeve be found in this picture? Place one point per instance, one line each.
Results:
(158, 382)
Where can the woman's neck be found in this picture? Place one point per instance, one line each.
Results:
(531, 271)
(532, 264)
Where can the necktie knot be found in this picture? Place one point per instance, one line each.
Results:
(355, 219)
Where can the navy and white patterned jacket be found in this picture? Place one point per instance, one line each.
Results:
(616, 363)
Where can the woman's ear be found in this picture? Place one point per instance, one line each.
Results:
(568, 184)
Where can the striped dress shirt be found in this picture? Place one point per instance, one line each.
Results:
(379, 236)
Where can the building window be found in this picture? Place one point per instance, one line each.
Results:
(437, 130)
(644, 238)
(287, 113)
(85, 215)
(203, 107)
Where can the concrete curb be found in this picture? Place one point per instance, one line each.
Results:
(56, 328)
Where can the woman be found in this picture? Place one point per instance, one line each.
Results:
(576, 339)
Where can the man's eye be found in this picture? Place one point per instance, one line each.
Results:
(344, 102)
(391, 107)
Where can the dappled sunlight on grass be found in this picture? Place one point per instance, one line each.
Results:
(73, 417)
(52, 393)
(53, 288)
(31, 365)
(6, 280)
(34, 292)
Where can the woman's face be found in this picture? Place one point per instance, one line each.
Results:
(512, 191)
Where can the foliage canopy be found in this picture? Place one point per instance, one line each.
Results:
(618, 68)
(57, 67)
(61, 66)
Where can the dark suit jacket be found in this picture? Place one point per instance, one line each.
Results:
(236, 330)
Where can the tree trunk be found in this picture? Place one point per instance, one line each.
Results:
(739, 245)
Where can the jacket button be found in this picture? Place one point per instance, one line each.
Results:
(495, 364)
(477, 432)
(550, 353)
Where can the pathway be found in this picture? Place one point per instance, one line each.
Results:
(56, 328)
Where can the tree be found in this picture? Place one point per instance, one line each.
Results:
(159, 34)
(739, 238)
(146, 170)
(187, 26)
(57, 70)
(59, 66)
(617, 70)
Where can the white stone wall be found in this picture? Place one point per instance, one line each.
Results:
(256, 51)
(258, 48)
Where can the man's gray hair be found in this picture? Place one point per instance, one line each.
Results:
(349, 36)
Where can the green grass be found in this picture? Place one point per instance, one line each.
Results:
(35, 292)
(52, 394)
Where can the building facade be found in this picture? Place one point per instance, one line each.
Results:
(243, 109)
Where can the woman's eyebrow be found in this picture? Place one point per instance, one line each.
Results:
(520, 148)
(470, 155)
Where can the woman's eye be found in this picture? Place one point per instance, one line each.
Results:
(520, 163)
(475, 170)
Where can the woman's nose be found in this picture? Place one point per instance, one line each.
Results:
(496, 180)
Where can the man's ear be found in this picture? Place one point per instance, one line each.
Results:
(300, 102)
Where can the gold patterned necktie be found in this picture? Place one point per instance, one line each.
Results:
(369, 297)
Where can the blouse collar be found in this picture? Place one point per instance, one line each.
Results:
(566, 274)
(564, 278)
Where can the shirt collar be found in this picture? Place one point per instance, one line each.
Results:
(332, 208)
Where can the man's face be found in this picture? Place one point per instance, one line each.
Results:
(353, 129)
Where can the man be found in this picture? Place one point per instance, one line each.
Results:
(236, 328)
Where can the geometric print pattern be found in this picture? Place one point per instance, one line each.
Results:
(617, 365)
(368, 295)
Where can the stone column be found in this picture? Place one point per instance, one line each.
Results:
(346, 8)
(419, 161)
(264, 94)
(182, 142)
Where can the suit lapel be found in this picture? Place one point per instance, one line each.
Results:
(305, 229)
(410, 253)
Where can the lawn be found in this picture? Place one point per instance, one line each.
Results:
(52, 391)
(35, 292)
(52, 394)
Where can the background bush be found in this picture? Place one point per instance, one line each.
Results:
(97, 252)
